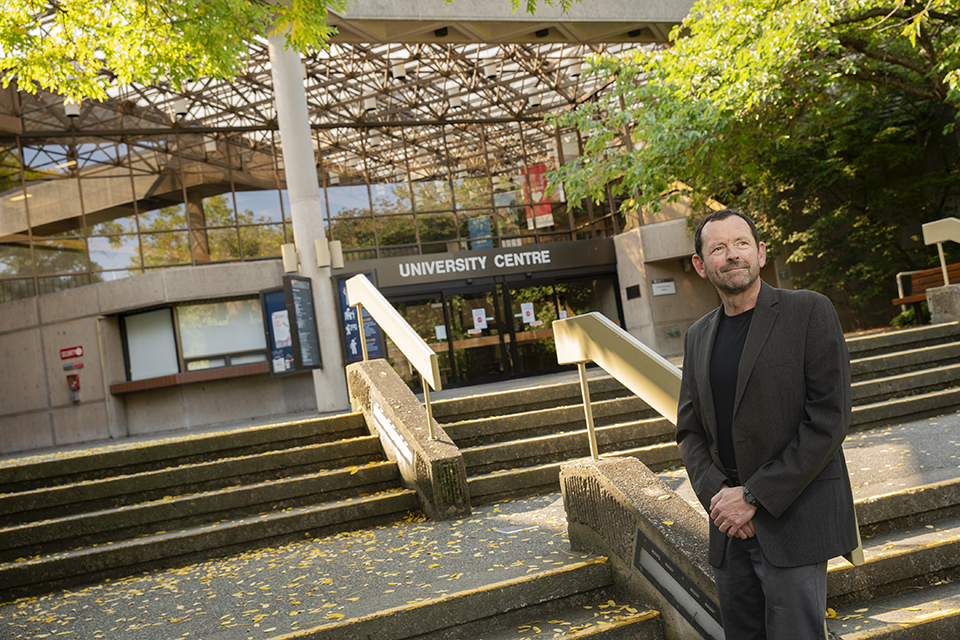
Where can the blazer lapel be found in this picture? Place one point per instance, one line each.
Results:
(703, 373)
(764, 315)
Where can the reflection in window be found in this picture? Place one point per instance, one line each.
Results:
(261, 241)
(114, 252)
(432, 195)
(258, 207)
(478, 227)
(437, 226)
(164, 218)
(221, 329)
(391, 198)
(393, 230)
(60, 255)
(166, 249)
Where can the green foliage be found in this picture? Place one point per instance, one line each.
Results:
(832, 123)
(81, 47)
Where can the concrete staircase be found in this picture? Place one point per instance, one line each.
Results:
(78, 517)
(84, 516)
(514, 442)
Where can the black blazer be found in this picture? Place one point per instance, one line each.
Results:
(791, 414)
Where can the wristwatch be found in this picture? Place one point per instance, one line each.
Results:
(749, 498)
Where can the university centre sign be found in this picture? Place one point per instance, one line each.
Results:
(461, 265)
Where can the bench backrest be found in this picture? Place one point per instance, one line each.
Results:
(930, 278)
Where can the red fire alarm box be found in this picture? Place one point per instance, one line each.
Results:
(73, 381)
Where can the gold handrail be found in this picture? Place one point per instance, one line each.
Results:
(363, 295)
(937, 233)
(592, 337)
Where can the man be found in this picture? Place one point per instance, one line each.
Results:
(764, 407)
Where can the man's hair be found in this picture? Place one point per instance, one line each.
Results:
(716, 216)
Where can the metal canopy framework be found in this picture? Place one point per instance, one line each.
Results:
(409, 105)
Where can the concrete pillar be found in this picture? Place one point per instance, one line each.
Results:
(944, 303)
(329, 383)
(197, 222)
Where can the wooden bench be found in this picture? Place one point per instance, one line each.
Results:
(920, 281)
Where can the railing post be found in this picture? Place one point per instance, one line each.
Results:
(426, 403)
(588, 410)
(363, 330)
(943, 264)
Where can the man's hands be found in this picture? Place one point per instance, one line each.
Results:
(731, 513)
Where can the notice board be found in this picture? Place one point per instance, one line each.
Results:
(290, 324)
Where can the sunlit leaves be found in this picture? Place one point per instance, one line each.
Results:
(79, 48)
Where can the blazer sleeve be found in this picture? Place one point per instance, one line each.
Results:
(823, 421)
(693, 439)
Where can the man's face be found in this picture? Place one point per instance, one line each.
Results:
(731, 257)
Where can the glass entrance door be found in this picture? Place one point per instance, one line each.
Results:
(533, 311)
(474, 327)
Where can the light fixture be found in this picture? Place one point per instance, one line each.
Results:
(323, 252)
(71, 108)
(455, 102)
(209, 144)
(534, 100)
(441, 32)
(334, 179)
(542, 33)
(179, 107)
(288, 253)
(336, 254)
(399, 71)
(490, 70)
(576, 70)
(370, 104)
(373, 139)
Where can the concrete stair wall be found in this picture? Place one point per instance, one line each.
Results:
(70, 518)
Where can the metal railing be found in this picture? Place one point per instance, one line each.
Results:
(937, 233)
(363, 295)
(592, 337)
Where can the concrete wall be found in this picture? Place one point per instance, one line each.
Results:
(35, 407)
(661, 251)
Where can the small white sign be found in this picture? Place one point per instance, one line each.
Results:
(563, 314)
(441, 331)
(664, 287)
(526, 310)
(479, 318)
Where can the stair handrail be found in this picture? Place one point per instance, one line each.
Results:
(592, 337)
(938, 232)
(363, 295)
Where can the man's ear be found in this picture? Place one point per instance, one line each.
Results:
(698, 265)
(762, 253)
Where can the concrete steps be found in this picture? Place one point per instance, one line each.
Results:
(577, 600)
(67, 519)
(911, 544)
(527, 433)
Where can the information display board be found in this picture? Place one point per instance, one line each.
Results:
(290, 323)
(350, 326)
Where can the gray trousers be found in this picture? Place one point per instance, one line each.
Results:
(761, 601)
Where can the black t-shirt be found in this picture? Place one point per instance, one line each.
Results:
(724, 362)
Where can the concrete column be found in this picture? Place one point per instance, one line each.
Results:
(329, 383)
(199, 243)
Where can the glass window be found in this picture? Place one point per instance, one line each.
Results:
(151, 346)
(121, 251)
(261, 241)
(217, 211)
(432, 195)
(255, 207)
(165, 249)
(476, 229)
(437, 226)
(60, 255)
(218, 328)
(394, 230)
